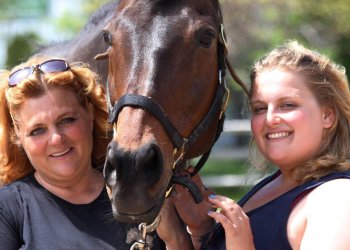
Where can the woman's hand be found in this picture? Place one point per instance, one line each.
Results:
(238, 233)
(194, 215)
(180, 208)
(171, 230)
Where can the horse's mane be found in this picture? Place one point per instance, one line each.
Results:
(170, 3)
(95, 24)
(87, 43)
(106, 10)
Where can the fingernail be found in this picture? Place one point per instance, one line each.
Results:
(210, 211)
(211, 196)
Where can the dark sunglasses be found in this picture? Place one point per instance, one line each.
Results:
(51, 66)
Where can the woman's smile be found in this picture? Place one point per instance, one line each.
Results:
(278, 135)
(62, 153)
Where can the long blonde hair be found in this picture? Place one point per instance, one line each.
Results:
(329, 84)
(14, 163)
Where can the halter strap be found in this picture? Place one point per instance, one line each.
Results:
(153, 107)
(150, 105)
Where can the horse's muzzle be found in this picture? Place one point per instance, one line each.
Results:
(135, 180)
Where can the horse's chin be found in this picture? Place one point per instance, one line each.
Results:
(136, 218)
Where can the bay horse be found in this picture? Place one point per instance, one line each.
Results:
(166, 95)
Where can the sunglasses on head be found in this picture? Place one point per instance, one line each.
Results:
(50, 66)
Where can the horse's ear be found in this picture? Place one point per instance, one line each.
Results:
(102, 56)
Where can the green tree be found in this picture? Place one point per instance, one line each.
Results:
(331, 27)
(71, 23)
(20, 48)
(254, 26)
(11, 9)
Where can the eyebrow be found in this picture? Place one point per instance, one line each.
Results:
(283, 98)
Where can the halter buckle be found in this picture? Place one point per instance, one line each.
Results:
(182, 153)
(225, 102)
(141, 244)
(222, 38)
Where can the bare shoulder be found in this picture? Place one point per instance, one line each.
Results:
(330, 196)
(321, 218)
(327, 216)
(332, 190)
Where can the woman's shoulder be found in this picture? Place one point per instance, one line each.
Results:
(333, 188)
(13, 192)
(326, 194)
(323, 211)
(330, 196)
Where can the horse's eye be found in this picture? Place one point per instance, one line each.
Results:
(107, 37)
(206, 38)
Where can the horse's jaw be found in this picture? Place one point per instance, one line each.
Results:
(147, 217)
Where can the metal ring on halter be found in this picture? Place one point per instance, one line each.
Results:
(141, 244)
(144, 228)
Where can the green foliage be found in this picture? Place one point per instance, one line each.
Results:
(234, 193)
(255, 26)
(20, 48)
(331, 26)
(22, 8)
(91, 5)
(224, 166)
(71, 23)
(228, 166)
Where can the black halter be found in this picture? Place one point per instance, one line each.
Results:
(153, 107)
(182, 144)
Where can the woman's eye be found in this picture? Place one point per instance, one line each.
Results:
(37, 131)
(288, 105)
(67, 120)
(258, 109)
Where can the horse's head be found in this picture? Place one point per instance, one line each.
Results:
(164, 78)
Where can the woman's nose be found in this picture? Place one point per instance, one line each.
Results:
(56, 137)
(272, 118)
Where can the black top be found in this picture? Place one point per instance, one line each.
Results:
(33, 218)
(269, 221)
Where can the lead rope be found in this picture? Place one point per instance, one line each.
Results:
(145, 229)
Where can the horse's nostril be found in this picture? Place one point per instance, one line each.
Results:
(109, 174)
(149, 162)
(110, 167)
(146, 156)
(144, 165)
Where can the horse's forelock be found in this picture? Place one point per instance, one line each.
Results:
(169, 4)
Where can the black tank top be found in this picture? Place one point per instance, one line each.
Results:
(269, 221)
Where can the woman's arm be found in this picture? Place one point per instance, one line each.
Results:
(321, 220)
(9, 237)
